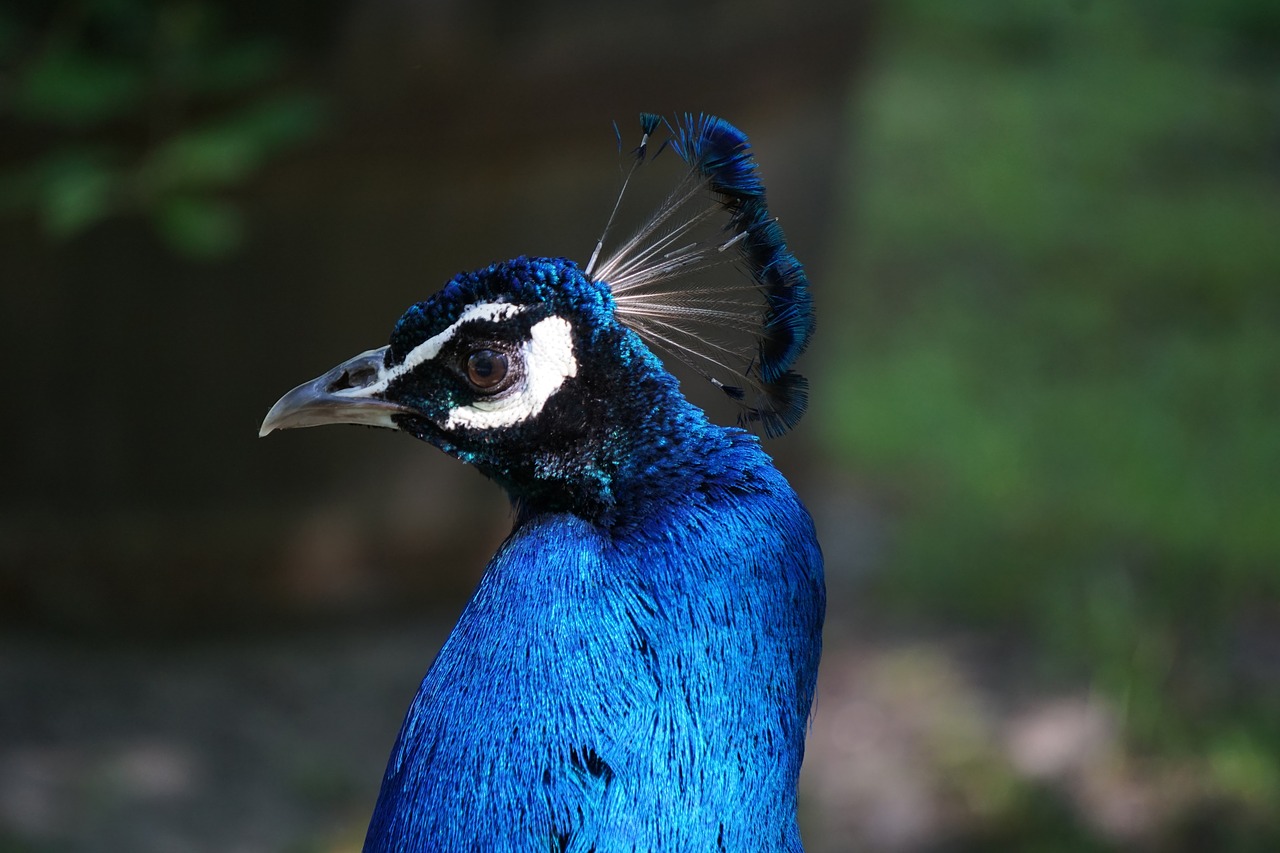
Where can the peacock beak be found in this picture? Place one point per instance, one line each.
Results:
(348, 394)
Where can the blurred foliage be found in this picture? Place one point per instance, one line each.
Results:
(1065, 351)
(139, 107)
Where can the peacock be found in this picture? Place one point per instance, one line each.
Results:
(636, 667)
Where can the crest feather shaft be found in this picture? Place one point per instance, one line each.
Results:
(744, 340)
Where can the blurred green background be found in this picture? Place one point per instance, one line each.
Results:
(1042, 450)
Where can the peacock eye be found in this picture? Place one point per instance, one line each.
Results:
(486, 369)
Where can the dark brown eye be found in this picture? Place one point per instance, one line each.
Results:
(486, 369)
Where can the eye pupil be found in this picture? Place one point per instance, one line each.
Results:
(486, 368)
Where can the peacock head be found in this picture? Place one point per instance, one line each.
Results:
(517, 369)
(535, 370)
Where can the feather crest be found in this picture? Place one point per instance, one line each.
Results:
(742, 337)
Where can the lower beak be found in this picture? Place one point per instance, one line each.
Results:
(347, 394)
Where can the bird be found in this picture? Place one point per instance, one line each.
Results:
(635, 670)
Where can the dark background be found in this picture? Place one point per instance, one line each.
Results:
(1042, 449)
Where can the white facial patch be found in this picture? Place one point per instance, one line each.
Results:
(431, 347)
(548, 362)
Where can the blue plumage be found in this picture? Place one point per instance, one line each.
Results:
(636, 669)
(721, 154)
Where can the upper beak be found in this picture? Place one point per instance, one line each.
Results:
(347, 394)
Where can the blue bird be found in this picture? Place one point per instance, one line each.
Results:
(636, 667)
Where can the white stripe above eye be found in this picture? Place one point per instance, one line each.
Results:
(431, 347)
(548, 362)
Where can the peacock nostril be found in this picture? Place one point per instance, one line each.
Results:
(342, 383)
(353, 377)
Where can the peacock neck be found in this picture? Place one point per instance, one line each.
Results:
(634, 445)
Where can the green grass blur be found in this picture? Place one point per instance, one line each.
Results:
(1063, 365)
